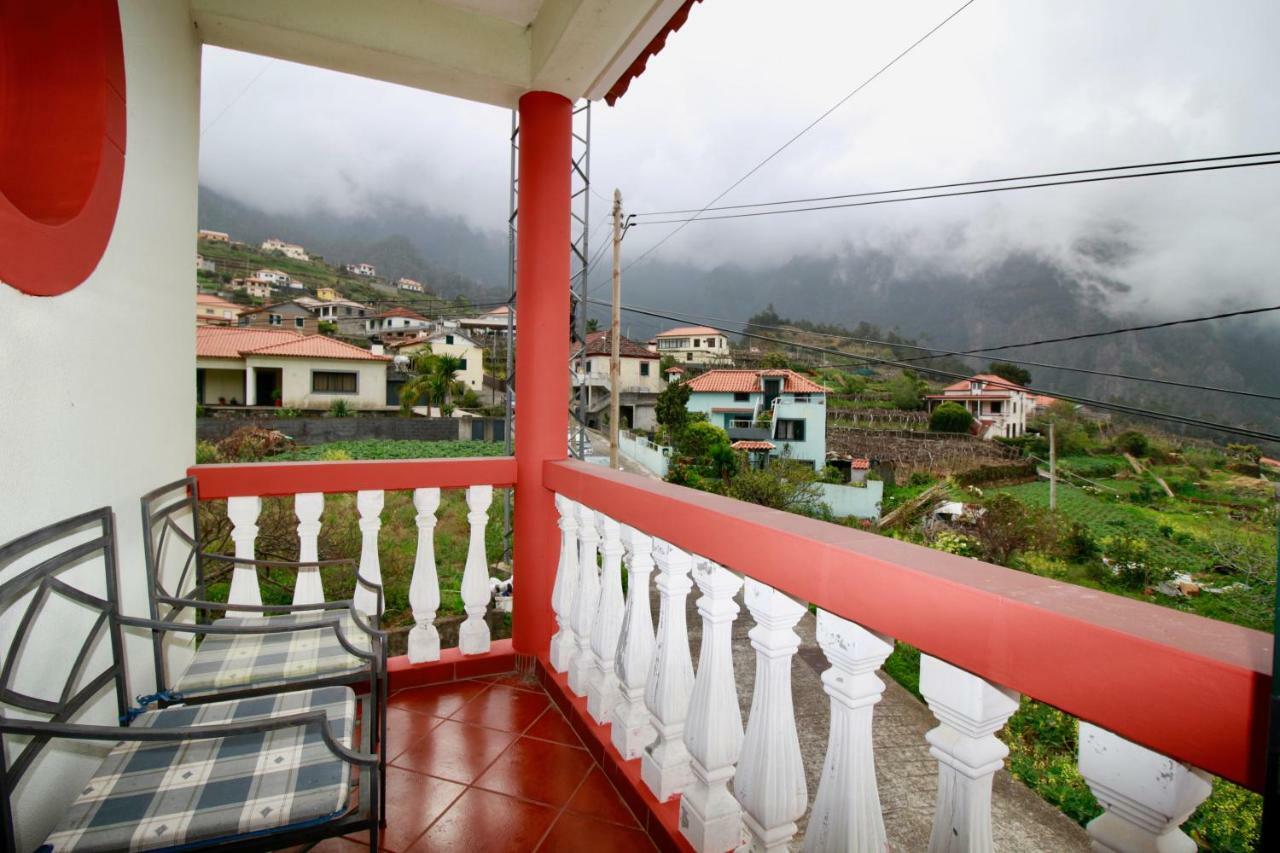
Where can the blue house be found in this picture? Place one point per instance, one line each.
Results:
(797, 407)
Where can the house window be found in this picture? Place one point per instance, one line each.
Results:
(741, 396)
(688, 356)
(275, 319)
(448, 339)
(644, 368)
(997, 407)
(463, 362)
(696, 341)
(298, 322)
(786, 429)
(333, 382)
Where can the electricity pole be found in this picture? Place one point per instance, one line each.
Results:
(1053, 470)
(615, 358)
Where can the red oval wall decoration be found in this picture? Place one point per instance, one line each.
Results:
(62, 140)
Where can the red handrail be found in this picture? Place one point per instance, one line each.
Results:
(287, 478)
(1188, 687)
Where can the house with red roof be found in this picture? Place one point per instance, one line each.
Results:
(782, 407)
(695, 345)
(257, 366)
(639, 381)
(396, 324)
(999, 407)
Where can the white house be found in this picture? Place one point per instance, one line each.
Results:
(203, 264)
(409, 285)
(639, 381)
(289, 250)
(780, 407)
(362, 269)
(695, 345)
(396, 324)
(998, 406)
(448, 342)
(213, 236)
(275, 277)
(253, 286)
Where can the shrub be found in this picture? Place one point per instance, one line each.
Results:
(250, 444)
(906, 390)
(698, 439)
(1077, 544)
(957, 543)
(1007, 526)
(339, 409)
(1132, 442)
(207, 453)
(989, 474)
(1131, 562)
(1012, 372)
(334, 454)
(288, 413)
(199, 411)
(950, 417)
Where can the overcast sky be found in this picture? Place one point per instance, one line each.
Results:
(1008, 87)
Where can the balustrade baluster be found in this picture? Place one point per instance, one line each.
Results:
(369, 505)
(243, 513)
(846, 811)
(586, 600)
(710, 817)
(1146, 795)
(632, 728)
(564, 643)
(424, 588)
(770, 783)
(473, 634)
(970, 711)
(308, 588)
(664, 767)
(602, 689)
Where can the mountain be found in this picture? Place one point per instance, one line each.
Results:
(1016, 297)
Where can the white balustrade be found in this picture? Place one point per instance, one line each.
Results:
(424, 588)
(710, 817)
(586, 599)
(602, 686)
(846, 811)
(243, 514)
(770, 783)
(369, 505)
(308, 588)
(632, 728)
(564, 643)
(473, 634)
(1146, 795)
(665, 765)
(970, 711)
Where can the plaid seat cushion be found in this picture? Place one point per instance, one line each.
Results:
(147, 796)
(226, 661)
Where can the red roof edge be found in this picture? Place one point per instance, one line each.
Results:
(653, 48)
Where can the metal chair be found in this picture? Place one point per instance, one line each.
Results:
(254, 773)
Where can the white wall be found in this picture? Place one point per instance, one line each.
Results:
(371, 382)
(74, 436)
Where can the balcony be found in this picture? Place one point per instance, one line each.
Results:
(1163, 697)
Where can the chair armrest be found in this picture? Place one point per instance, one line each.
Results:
(266, 628)
(253, 608)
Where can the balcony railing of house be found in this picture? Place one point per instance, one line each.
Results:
(1164, 698)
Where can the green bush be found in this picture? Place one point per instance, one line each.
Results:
(339, 409)
(1014, 472)
(1131, 562)
(1132, 442)
(207, 453)
(950, 417)
(698, 439)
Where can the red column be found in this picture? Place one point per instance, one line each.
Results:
(542, 357)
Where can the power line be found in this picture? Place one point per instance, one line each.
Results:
(1075, 398)
(939, 353)
(957, 193)
(973, 183)
(757, 167)
(237, 98)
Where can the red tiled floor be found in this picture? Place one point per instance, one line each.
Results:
(340, 845)
(504, 708)
(597, 797)
(414, 801)
(455, 751)
(513, 679)
(405, 727)
(538, 770)
(554, 727)
(440, 700)
(572, 833)
(485, 821)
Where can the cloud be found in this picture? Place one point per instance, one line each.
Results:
(1004, 89)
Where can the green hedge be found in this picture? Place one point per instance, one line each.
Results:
(1014, 472)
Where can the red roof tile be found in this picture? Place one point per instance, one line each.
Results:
(752, 445)
(230, 342)
(860, 464)
(652, 49)
(317, 346)
(400, 311)
(599, 343)
(723, 381)
(998, 383)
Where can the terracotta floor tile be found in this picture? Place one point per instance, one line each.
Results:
(503, 708)
(405, 727)
(513, 679)
(538, 770)
(488, 822)
(341, 845)
(440, 700)
(554, 727)
(598, 798)
(413, 802)
(454, 751)
(573, 833)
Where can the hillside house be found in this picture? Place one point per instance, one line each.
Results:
(999, 407)
(215, 311)
(447, 342)
(252, 286)
(794, 409)
(409, 285)
(289, 250)
(694, 345)
(277, 278)
(494, 320)
(639, 381)
(203, 264)
(282, 315)
(266, 367)
(367, 270)
(395, 324)
(327, 294)
(213, 236)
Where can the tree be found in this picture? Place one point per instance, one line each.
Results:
(907, 390)
(671, 408)
(699, 440)
(774, 360)
(432, 381)
(593, 325)
(950, 417)
(1012, 372)
(1007, 526)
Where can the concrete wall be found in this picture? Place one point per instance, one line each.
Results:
(814, 414)
(629, 372)
(223, 384)
(76, 438)
(653, 457)
(319, 430)
(855, 501)
(702, 401)
(296, 393)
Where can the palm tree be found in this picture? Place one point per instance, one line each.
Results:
(432, 381)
